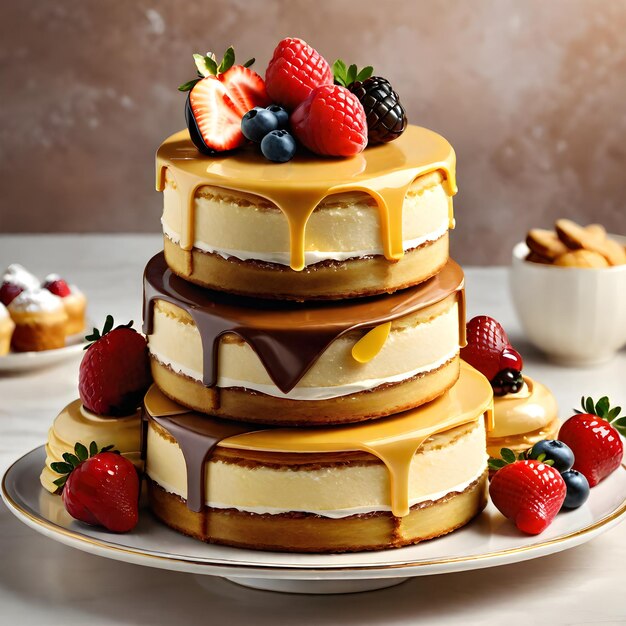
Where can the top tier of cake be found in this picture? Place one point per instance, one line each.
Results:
(312, 228)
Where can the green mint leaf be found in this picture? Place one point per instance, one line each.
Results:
(81, 451)
(508, 455)
(61, 468)
(188, 86)
(365, 73)
(227, 61)
(93, 449)
(249, 62)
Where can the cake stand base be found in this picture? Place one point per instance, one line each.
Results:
(312, 586)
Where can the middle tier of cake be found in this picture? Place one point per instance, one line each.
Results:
(303, 363)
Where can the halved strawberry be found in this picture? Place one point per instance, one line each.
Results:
(245, 88)
(218, 99)
(217, 121)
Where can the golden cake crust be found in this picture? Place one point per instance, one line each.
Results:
(244, 405)
(329, 280)
(298, 532)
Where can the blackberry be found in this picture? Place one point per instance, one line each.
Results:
(507, 381)
(386, 117)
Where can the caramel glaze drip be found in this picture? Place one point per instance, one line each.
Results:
(287, 336)
(393, 440)
(384, 172)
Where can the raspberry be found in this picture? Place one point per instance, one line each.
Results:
(331, 121)
(294, 71)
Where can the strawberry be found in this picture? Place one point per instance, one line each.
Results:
(100, 488)
(594, 437)
(218, 99)
(56, 285)
(8, 292)
(528, 492)
(114, 374)
(489, 351)
(331, 121)
(294, 71)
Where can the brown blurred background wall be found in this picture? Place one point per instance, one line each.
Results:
(532, 94)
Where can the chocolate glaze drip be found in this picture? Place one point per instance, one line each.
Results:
(197, 435)
(288, 337)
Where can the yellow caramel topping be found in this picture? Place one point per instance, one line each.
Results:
(366, 348)
(393, 440)
(385, 172)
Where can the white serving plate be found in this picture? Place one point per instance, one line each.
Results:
(487, 542)
(28, 361)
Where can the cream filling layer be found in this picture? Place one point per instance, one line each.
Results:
(350, 229)
(407, 352)
(447, 463)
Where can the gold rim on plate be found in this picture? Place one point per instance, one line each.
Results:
(222, 563)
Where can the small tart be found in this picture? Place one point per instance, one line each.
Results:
(75, 424)
(7, 326)
(75, 304)
(19, 275)
(523, 418)
(40, 321)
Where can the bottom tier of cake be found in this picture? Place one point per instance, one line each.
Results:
(381, 484)
(301, 532)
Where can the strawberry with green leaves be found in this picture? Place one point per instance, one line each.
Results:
(593, 434)
(219, 97)
(99, 487)
(114, 374)
(529, 492)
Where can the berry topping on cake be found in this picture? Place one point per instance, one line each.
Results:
(331, 122)
(294, 71)
(99, 487)
(386, 117)
(594, 437)
(489, 351)
(256, 123)
(528, 492)
(218, 99)
(56, 285)
(282, 117)
(553, 450)
(278, 146)
(577, 489)
(8, 292)
(114, 374)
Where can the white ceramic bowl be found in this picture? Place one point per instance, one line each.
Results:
(577, 316)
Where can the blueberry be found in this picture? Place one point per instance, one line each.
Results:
(577, 489)
(255, 124)
(278, 146)
(281, 115)
(554, 450)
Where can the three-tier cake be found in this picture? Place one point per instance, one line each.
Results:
(304, 323)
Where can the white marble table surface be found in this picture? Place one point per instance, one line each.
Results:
(43, 582)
